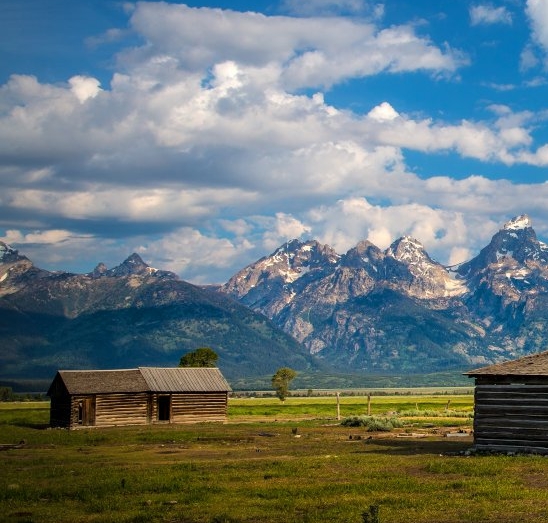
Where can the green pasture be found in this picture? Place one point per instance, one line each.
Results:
(271, 463)
(326, 406)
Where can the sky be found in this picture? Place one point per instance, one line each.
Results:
(204, 135)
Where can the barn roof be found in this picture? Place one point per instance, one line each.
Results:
(143, 379)
(533, 365)
(102, 381)
(184, 379)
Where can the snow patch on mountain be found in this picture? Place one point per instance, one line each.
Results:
(518, 223)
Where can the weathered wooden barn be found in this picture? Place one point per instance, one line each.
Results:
(143, 396)
(511, 405)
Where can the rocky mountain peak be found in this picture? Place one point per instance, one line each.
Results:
(9, 255)
(364, 254)
(517, 223)
(408, 250)
(298, 254)
(515, 245)
(100, 270)
(133, 265)
(286, 264)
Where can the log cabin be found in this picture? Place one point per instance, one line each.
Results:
(143, 396)
(511, 405)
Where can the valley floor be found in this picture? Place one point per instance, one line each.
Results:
(259, 469)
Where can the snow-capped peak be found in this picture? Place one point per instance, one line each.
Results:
(406, 249)
(518, 223)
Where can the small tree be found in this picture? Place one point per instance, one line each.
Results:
(6, 394)
(202, 357)
(281, 381)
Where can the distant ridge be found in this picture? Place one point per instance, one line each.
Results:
(128, 316)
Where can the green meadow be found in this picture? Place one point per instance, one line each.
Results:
(270, 463)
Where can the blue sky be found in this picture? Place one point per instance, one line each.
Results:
(204, 135)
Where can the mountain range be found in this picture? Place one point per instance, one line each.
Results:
(131, 315)
(399, 311)
(368, 311)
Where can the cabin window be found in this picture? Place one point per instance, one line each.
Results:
(164, 408)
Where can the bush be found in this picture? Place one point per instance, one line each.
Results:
(373, 423)
(415, 413)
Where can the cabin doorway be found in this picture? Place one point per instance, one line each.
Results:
(164, 408)
(86, 411)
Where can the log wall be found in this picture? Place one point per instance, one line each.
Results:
(192, 407)
(142, 409)
(114, 410)
(511, 417)
(121, 409)
(195, 407)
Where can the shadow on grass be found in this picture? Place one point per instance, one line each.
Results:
(411, 446)
(26, 424)
(35, 426)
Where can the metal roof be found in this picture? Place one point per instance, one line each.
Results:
(185, 379)
(143, 379)
(533, 365)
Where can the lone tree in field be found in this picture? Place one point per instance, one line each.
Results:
(202, 357)
(281, 381)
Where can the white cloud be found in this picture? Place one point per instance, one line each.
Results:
(200, 258)
(84, 87)
(239, 227)
(487, 14)
(537, 10)
(51, 237)
(383, 112)
(344, 224)
(502, 139)
(218, 123)
(459, 255)
(284, 227)
(308, 52)
(153, 205)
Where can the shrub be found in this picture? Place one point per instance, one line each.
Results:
(415, 413)
(373, 423)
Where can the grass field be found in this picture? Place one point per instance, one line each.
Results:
(271, 463)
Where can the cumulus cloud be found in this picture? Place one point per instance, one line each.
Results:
(194, 254)
(309, 52)
(383, 112)
(84, 87)
(537, 11)
(349, 221)
(40, 237)
(214, 142)
(283, 227)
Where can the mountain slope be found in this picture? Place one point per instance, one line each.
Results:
(124, 317)
(400, 311)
